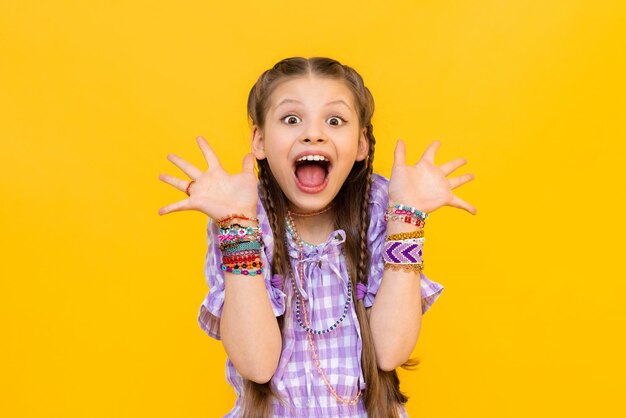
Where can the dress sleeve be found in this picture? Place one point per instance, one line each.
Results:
(376, 233)
(211, 308)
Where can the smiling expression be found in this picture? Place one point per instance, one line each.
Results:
(311, 139)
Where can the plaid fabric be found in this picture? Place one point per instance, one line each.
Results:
(297, 381)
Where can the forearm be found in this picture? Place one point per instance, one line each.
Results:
(396, 315)
(249, 328)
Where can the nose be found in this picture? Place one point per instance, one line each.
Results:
(313, 140)
(313, 135)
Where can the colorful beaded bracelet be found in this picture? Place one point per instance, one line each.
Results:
(392, 211)
(244, 272)
(238, 258)
(237, 230)
(254, 264)
(415, 212)
(404, 218)
(256, 255)
(236, 235)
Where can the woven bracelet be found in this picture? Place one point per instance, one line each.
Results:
(403, 252)
(242, 246)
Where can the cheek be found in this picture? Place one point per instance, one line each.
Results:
(280, 167)
(350, 147)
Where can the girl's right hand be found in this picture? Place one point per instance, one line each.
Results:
(214, 192)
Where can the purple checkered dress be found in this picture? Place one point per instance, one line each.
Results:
(297, 381)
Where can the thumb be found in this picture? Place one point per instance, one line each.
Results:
(248, 163)
(399, 155)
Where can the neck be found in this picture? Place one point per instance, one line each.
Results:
(297, 214)
(316, 228)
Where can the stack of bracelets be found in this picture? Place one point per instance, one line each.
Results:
(240, 245)
(403, 251)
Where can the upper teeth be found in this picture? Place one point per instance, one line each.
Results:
(313, 158)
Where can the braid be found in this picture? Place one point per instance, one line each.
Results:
(383, 387)
(271, 215)
(379, 393)
(256, 401)
(365, 215)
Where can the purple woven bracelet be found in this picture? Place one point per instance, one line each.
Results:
(403, 252)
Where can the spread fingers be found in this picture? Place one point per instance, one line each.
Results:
(191, 170)
(457, 181)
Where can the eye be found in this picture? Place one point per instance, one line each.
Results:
(291, 119)
(336, 120)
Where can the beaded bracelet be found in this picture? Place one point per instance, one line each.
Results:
(243, 254)
(236, 234)
(405, 235)
(404, 218)
(238, 257)
(238, 230)
(244, 266)
(245, 272)
(254, 264)
(415, 212)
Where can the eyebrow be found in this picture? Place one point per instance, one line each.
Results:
(339, 101)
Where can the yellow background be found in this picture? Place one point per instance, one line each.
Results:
(99, 294)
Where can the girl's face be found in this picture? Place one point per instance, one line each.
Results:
(311, 139)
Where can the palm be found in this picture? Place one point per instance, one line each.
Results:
(214, 192)
(424, 185)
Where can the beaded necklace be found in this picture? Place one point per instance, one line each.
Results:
(307, 326)
(304, 326)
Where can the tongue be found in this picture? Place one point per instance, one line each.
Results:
(311, 175)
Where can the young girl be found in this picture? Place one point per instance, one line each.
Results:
(315, 270)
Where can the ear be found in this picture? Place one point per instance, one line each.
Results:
(258, 144)
(364, 146)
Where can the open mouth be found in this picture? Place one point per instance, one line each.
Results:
(312, 172)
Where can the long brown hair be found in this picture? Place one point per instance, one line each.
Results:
(382, 391)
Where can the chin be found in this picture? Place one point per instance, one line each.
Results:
(312, 204)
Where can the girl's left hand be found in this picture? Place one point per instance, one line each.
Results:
(424, 185)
